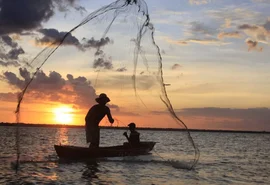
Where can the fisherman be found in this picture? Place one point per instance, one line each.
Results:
(93, 117)
(134, 136)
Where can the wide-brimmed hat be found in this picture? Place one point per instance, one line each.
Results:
(103, 98)
(132, 125)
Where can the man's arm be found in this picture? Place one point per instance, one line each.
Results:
(109, 115)
(126, 135)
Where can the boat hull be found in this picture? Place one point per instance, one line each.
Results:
(76, 152)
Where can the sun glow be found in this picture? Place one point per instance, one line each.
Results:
(63, 115)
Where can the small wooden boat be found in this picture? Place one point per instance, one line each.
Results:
(76, 152)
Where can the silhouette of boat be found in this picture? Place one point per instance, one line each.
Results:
(77, 152)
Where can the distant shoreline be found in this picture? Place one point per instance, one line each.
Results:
(125, 128)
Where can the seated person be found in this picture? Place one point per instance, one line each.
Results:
(134, 136)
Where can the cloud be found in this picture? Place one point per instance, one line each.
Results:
(35, 12)
(103, 63)
(53, 87)
(14, 53)
(234, 34)
(258, 33)
(8, 41)
(77, 91)
(9, 52)
(92, 43)
(17, 16)
(199, 33)
(198, 2)
(253, 45)
(10, 63)
(97, 44)
(53, 36)
(13, 80)
(83, 92)
(176, 66)
(206, 41)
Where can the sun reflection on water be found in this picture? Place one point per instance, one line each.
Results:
(63, 136)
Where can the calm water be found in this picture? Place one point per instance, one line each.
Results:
(226, 158)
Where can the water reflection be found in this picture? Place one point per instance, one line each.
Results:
(63, 136)
(90, 171)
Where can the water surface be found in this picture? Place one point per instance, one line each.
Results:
(226, 158)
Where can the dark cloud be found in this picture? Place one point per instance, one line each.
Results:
(11, 63)
(14, 53)
(103, 63)
(247, 26)
(99, 52)
(92, 43)
(8, 40)
(13, 80)
(17, 16)
(53, 87)
(122, 69)
(84, 92)
(9, 52)
(25, 74)
(54, 36)
(253, 45)
(97, 44)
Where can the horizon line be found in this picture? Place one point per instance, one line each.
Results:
(122, 127)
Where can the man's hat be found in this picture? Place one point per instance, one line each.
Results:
(132, 125)
(102, 98)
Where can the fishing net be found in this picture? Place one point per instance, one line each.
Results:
(127, 26)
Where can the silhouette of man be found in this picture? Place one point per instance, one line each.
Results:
(93, 117)
(134, 136)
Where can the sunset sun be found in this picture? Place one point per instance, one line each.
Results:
(63, 115)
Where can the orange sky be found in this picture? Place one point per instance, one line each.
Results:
(215, 64)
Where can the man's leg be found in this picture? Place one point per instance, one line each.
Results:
(95, 139)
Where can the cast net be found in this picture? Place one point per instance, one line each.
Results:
(135, 66)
